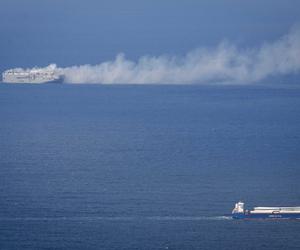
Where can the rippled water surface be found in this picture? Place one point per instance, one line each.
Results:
(146, 167)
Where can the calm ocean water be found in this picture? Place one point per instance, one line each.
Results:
(146, 167)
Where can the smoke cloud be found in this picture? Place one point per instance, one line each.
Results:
(223, 64)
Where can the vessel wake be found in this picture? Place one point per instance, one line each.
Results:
(118, 218)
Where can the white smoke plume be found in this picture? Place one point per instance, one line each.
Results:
(224, 64)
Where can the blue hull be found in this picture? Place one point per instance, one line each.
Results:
(266, 216)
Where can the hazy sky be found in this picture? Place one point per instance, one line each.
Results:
(72, 32)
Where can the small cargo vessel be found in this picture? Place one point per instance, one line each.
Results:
(239, 212)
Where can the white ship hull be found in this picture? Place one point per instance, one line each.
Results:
(29, 80)
(265, 212)
(35, 75)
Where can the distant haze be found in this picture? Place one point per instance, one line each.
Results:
(225, 63)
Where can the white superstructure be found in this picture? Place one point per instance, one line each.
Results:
(239, 207)
(276, 210)
(35, 75)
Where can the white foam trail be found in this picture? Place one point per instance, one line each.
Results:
(188, 218)
(224, 64)
(118, 218)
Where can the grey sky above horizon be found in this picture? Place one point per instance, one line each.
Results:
(71, 32)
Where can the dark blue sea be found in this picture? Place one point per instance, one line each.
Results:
(147, 167)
